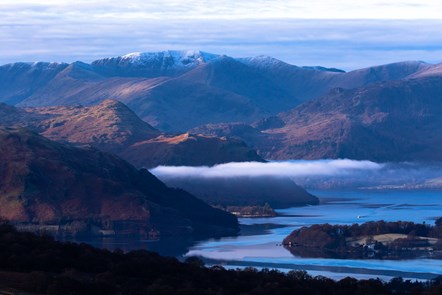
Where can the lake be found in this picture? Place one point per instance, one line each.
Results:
(258, 244)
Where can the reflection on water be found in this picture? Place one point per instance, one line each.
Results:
(175, 247)
(259, 242)
(262, 249)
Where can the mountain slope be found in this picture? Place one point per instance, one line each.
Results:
(19, 81)
(44, 182)
(188, 150)
(389, 121)
(113, 127)
(179, 90)
(110, 125)
(152, 64)
(279, 192)
(305, 83)
(222, 90)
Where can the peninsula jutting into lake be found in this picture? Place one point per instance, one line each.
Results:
(371, 240)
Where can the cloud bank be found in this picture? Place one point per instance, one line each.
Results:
(230, 9)
(342, 34)
(318, 174)
(274, 169)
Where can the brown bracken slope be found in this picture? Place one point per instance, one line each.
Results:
(44, 182)
(113, 127)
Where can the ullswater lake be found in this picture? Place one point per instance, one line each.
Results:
(259, 242)
(263, 248)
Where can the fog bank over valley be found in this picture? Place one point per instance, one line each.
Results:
(316, 174)
(297, 168)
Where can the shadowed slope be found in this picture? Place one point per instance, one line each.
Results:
(45, 182)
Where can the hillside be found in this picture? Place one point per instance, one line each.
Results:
(386, 121)
(389, 121)
(278, 192)
(188, 150)
(113, 127)
(86, 191)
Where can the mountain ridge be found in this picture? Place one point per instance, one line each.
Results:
(386, 121)
(207, 88)
(111, 126)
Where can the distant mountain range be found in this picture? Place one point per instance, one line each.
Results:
(176, 91)
(383, 113)
(84, 191)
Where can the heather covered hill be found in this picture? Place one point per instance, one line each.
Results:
(109, 125)
(113, 127)
(84, 191)
(10, 115)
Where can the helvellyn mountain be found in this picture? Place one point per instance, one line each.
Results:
(176, 91)
(385, 121)
(113, 127)
(44, 183)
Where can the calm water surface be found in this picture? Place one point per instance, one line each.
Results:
(258, 244)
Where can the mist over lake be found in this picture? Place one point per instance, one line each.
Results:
(339, 173)
(349, 192)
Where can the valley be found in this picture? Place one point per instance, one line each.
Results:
(220, 147)
(278, 145)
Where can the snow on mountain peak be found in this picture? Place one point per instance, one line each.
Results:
(170, 58)
(262, 61)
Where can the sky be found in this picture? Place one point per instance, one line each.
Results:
(340, 33)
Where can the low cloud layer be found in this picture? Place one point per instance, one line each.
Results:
(275, 169)
(320, 174)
